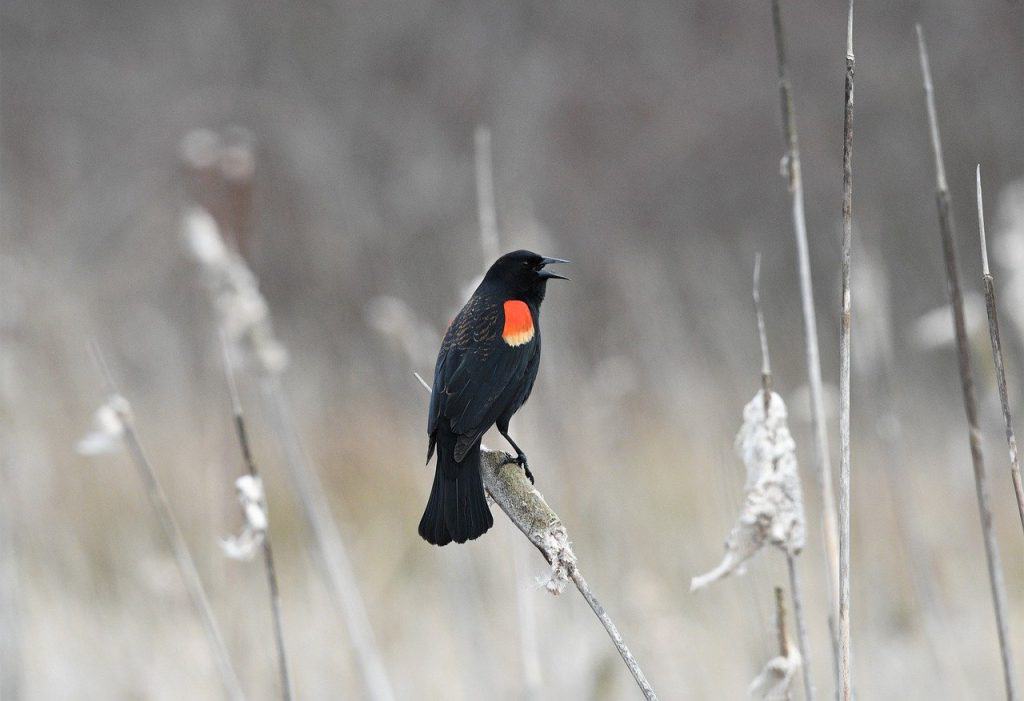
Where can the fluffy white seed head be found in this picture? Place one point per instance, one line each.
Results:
(773, 510)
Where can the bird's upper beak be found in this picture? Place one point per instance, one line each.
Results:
(547, 274)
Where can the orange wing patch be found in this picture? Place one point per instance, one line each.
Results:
(518, 323)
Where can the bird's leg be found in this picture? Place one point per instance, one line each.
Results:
(520, 458)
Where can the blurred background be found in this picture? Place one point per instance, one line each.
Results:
(334, 144)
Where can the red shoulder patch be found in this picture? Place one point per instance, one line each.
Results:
(518, 323)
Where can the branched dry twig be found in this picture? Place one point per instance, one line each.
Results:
(845, 675)
(524, 505)
(120, 422)
(791, 169)
(997, 358)
(268, 553)
(995, 569)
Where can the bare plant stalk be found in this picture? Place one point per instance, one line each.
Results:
(845, 676)
(794, 583)
(490, 245)
(169, 525)
(946, 226)
(525, 506)
(821, 451)
(801, 626)
(997, 358)
(780, 622)
(268, 552)
(330, 551)
(485, 195)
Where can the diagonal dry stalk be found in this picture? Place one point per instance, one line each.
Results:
(526, 508)
(997, 358)
(169, 525)
(330, 550)
(845, 676)
(268, 552)
(794, 580)
(821, 452)
(942, 199)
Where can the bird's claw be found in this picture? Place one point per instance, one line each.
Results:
(522, 462)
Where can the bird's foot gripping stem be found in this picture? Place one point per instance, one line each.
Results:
(520, 460)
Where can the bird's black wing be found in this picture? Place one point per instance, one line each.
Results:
(477, 374)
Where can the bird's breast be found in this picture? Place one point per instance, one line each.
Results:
(518, 328)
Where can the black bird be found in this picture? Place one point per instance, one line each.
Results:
(485, 370)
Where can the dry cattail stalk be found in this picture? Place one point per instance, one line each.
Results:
(524, 505)
(244, 319)
(997, 358)
(823, 468)
(942, 199)
(775, 680)
(257, 524)
(114, 427)
(845, 676)
(794, 579)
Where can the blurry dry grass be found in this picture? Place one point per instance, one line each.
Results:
(631, 141)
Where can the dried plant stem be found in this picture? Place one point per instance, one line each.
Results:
(268, 552)
(169, 525)
(845, 677)
(485, 195)
(821, 452)
(995, 570)
(801, 626)
(794, 583)
(525, 506)
(330, 550)
(490, 245)
(997, 358)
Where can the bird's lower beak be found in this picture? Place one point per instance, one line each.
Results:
(547, 274)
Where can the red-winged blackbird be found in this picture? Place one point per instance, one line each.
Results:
(485, 370)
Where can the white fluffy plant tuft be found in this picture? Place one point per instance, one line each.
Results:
(773, 510)
(246, 544)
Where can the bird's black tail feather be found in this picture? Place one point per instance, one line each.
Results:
(457, 509)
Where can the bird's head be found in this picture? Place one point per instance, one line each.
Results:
(522, 274)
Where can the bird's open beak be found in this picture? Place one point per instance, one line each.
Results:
(547, 274)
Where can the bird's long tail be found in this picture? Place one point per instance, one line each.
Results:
(457, 509)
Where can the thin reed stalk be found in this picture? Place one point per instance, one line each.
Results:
(997, 358)
(822, 461)
(330, 548)
(268, 552)
(490, 245)
(169, 526)
(946, 231)
(845, 672)
(485, 195)
(794, 580)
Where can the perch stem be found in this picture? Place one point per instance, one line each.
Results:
(527, 509)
